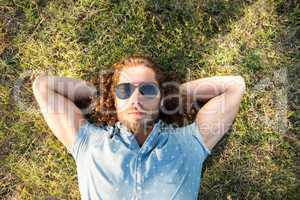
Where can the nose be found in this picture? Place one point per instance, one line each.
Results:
(135, 99)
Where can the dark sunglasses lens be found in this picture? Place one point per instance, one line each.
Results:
(123, 91)
(149, 90)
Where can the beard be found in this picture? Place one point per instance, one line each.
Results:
(143, 125)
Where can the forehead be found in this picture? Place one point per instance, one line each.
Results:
(137, 74)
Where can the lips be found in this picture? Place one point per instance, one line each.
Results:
(137, 113)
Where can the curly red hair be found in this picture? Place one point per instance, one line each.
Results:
(105, 111)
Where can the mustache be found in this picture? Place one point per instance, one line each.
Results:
(131, 110)
(140, 111)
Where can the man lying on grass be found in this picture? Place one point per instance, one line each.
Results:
(139, 156)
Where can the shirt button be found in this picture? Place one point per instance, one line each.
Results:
(139, 179)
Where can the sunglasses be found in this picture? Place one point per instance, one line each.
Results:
(148, 89)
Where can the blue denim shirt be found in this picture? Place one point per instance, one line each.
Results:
(111, 165)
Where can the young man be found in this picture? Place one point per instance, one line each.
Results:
(139, 157)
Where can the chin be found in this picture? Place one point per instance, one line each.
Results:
(137, 121)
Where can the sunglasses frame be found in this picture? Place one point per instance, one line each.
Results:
(138, 86)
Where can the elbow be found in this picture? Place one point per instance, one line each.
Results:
(39, 84)
(237, 84)
(241, 84)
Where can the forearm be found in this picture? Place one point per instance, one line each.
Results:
(206, 88)
(73, 89)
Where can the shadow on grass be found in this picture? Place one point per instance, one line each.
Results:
(290, 42)
(169, 31)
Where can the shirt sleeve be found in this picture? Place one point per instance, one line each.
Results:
(192, 139)
(87, 135)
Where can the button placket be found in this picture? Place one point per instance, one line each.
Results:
(151, 140)
(139, 175)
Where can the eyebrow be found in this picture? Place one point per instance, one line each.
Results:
(137, 82)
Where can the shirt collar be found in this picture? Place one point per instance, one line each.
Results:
(129, 138)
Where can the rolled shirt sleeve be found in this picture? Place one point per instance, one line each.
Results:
(87, 135)
(191, 138)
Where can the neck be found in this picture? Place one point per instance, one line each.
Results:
(142, 135)
(141, 131)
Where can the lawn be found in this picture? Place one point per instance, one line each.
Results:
(259, 39)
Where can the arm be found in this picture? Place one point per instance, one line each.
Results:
(56, 96)
(222, 95)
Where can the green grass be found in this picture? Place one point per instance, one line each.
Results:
(258, 39)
